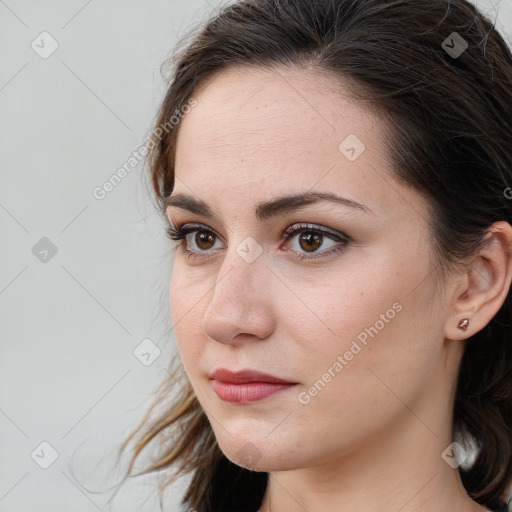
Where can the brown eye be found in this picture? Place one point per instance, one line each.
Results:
(307, 239)
(203, 239)
(312, 241)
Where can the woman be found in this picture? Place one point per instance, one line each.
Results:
(340, 295)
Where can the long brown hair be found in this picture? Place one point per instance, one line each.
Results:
(450, 137)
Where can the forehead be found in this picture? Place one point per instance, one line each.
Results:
(242, 105)
(254, 131)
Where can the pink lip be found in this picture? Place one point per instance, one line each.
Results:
(246, 386)
(244, 376)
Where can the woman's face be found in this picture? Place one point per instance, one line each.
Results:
(358, 326)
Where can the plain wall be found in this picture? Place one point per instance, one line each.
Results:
(70, 321)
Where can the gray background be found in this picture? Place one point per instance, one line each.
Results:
(69, 324)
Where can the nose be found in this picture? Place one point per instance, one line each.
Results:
(241, 301)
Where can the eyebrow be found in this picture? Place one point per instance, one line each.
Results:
(265, 209)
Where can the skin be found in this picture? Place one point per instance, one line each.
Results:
(373, 437)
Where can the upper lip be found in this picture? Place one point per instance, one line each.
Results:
(245, 376)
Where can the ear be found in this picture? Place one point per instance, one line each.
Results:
(482, 289)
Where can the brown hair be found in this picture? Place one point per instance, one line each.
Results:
(450, 137)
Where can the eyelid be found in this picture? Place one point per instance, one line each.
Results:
(342, 240)
(292, 229)
(195, 226)
(304, 226)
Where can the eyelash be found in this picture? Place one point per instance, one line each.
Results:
(180, 233)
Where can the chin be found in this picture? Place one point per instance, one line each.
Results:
(259, 454)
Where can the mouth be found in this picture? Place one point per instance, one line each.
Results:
(247, 386)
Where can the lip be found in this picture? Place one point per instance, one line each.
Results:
(246, 376)
(246, 386)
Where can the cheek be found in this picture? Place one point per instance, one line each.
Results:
(352, 390)
(323, 314)
(366, 316)
(186, 308)
(345, 335)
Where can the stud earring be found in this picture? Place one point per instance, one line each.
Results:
(463, 324)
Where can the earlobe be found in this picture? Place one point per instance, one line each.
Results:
(463, 324)
(485, 284)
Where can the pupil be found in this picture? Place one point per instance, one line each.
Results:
(202, 238)
(312, 239)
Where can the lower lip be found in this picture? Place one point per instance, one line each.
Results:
(247, 393)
